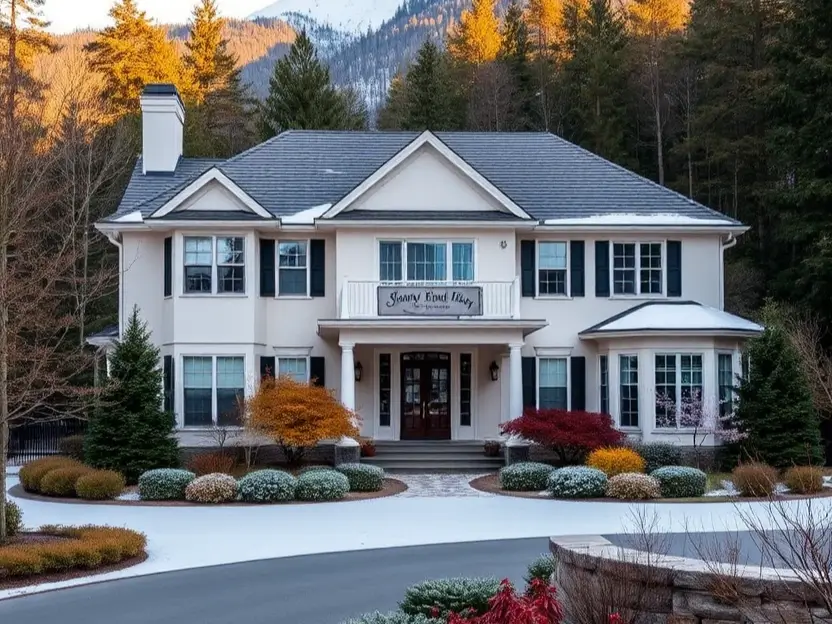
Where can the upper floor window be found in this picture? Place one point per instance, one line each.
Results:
(551, 268)
(293, 267)
(426, 261)
(209, 255)
(637, 269)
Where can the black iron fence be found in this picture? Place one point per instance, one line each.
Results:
(34, 439)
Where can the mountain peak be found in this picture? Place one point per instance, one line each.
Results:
(352, 16)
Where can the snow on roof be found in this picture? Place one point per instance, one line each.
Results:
(306, 217)
(638, 219)
(674, 316)
(131, 217)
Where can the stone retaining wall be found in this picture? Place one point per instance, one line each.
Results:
(592, 575)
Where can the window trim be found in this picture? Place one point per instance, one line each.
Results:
(732, 355)
(214, 415)
(567, 282)
(449, 260)
(602, 387)
(678, 356)
(293, 353)
(215, 276)
(565, 358)
(277, 267)
(638, 294)
(638, 426)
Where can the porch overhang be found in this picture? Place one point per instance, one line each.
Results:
(428, 331)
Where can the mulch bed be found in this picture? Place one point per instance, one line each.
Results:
(390, 487)
(491, 484)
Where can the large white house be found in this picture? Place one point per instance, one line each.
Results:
(437, 282)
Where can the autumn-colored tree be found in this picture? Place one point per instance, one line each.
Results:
(476, 39)
(298, 415)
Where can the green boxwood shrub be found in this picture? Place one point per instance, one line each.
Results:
(322, 485)
(525, 477)
(577, 482)
(164, 484)
(267, 486)
(681, 481)
(658, 454)
(14, 518)
(363, 477)
(446, 595)
(541, 569)
(394, 617)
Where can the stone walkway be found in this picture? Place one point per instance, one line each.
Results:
(438, 485)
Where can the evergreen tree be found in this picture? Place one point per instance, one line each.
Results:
(301, 95)
(515, 55)
(355, 114)
(391, 116)
(476, 39)
(775, 405)
(210, 66)
(429, 93)
(132, 53)
(130, 432)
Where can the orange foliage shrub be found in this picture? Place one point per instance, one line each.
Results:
(298, 415)
(210, 463)
(615, 461)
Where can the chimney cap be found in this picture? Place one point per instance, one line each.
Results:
(157, 89)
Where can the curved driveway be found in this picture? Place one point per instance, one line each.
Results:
(313, 589)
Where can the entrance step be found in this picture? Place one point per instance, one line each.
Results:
(416, 456)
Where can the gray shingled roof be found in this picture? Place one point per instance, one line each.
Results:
(427, 215)
(545, 175)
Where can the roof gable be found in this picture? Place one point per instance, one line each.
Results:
(212, 191)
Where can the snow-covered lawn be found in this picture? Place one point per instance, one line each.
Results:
(187, 537)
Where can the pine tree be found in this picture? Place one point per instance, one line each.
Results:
(133, 53)
(476, 39)
(391, 116)
(775, 405)
(210, 66)
(515, 54)
(429, 95)
(130, 432)
(301, 95)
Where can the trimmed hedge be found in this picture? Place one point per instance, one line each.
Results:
(658, 454)
(616, 460)
(61, 481)
(100, 485)
(33, 472)
(363, 477)
(633, 486)
(267, 486)
(681, 481)
(85, 547)
(322, 485)
(525, 477)
(213, 488)
(804, 479)
(446, 595)
(14, 519)
(164, 484)
(577, 482)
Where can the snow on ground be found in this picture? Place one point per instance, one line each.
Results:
(438, 485)
(190, 537)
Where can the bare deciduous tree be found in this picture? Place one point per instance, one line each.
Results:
(491, 99)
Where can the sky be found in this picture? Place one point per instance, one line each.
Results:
(67, 16)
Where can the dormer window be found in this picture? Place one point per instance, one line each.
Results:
(429, 261)
(206, 256)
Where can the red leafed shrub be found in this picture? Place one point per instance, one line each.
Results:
(538, 606)
(571, 435)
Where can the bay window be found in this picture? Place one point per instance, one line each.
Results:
(414, 261)
(679, 391)
(628, 390)
(605, 384)
(725, 382)
(212, 389)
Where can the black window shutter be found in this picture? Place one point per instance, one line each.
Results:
(267, 275)
(317, 268)
(578, 382)
(529, 382)
(527, 268)
(267, 366)
(576, 268)
(674, 268)
(168, 382)
(317, 370)
(602, 268)
(168, 266)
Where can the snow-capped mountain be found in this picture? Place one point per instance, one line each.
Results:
(348, 16)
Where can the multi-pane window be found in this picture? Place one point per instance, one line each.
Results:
(295, 367)
(426, 261)
(665, 390)
(385, 384)
(213, 388)
(231, 378)
(465, 366)
(725, 374)
(605, 384)
(628, 390)
(637, 269)
(292, 263)
(551, 268)
(198, 385)
(679, 399)
(552, 383)
(204, 253)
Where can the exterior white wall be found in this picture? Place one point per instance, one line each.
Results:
(213, 197)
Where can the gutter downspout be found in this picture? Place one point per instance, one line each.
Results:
(731, 241)
(113, 237)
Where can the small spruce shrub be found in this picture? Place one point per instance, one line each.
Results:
(525, 477)
(394, 617)
(72, 446)
(100, 485)
(681, 481)
(541, 569)
(804, 479)
(61, 481)
(616, 460)
(31, 474)
(212, 488)
(210, 463)
(658, 454)
(267, 486)
(14, 519)
(577, 482)
(633, 486)
(322, 485)
(754, 479)
(447, 595)
(363, 477)
(164, 484)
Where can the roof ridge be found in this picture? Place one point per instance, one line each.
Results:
(257, 147)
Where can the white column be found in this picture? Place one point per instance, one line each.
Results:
(515, 381)
(348, 384)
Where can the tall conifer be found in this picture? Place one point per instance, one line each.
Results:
(476, 39)
(429, 94)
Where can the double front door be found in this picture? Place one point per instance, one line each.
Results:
(426, 396)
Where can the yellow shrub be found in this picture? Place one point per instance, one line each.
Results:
(615, 461)
(61, 481)
(31, 474)
(804, 479)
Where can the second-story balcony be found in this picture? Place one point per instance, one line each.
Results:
(476, 300)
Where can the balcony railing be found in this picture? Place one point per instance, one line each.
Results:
(485, 300)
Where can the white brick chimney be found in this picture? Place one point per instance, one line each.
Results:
(163, 118)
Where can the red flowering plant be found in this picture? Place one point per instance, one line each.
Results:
(570, 434)
(538, 606)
